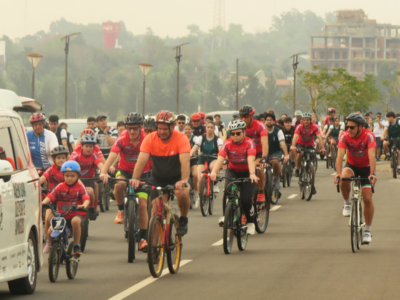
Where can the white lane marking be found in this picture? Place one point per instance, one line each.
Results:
(333, 174)
(292, 196)
(144, 283)
(219, 243)
(276, 207)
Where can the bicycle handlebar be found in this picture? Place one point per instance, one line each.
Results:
(352, 179)
(243, 179)
(72, 208)
(169, 187)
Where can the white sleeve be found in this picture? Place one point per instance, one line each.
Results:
(71, 139)
(216, 131)
(386, 124)
(281, 136)
(294, 121)
(51, 142)
(199, 140)
(331, 127)
(64, 135)
(219, 142)
(398, 121)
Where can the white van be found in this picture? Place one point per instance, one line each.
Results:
(20, 200)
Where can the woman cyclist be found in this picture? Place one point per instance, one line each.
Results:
(333, 134)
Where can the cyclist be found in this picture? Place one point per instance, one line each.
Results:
(392, 131)
(241, 153)
(209, 144)
(70, 192)
(180, 121)
(288, 131)
(198, 128)
(41, 141)
(297, 120)
(276, 141)
(128, 146)
(149, 125)
(331, 113)
(170, 151)
(193, 163)
(333, 134)
(378, 125)
(105, 135)
(257, 131)
(360, 145)
(54, 177)
(88, 161)
(202, 118)
(304, 139)
(326, 128)
(96, 150)
(71, 139)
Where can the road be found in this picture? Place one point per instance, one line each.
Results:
(304, 254)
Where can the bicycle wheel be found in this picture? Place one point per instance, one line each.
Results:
(353, 227)
(84, 233)
(131, 230)
(224, 202)
(394, 163)
(174, 246)
(302, 182)
(242, 235)
(328, 163)
(284, 171)
(101, 197)
(334, 156)
(229, 228)
(107, 196)
(309, 171)
(270, 190)
(203, 197)
(54, 260)
(71, 265)
(261, 210)
(360, 225)
(211, 199)
(155, 251)
(316, 162)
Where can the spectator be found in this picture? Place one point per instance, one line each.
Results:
(60, 133)
(180, 123)
(120, 127)
(91, 122)
(378, 126)
(105, 135)
(70, 137)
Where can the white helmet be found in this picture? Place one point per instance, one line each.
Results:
(298, 113)
(237, 124)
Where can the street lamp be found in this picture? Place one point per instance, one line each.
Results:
(295, 63)
(145, 67)
(76, 101)
(178, 60)
(66, 49)
(34, 58)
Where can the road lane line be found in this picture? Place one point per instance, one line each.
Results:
(292, 196)
(219, 243)
(144, 283)
(276, 207)
(333, 174)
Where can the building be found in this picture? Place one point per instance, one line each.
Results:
(111, 31)
(357, 44)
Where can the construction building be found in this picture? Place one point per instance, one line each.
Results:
(357, 44)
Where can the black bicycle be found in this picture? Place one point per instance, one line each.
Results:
(331, 156)
(206, 188)
(307, 173)
(394, 158)
(104, 195)
(192, 192)
(357, 222)
(287, 173)
(273, 194)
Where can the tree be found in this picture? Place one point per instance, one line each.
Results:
(254, 94)
(93, 97)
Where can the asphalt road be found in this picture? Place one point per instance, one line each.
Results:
(304, 254)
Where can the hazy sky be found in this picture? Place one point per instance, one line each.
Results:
(170, 17)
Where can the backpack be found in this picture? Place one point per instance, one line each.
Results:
(58, 134)
(215, 142)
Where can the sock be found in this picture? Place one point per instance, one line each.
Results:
(261, 191)
(347, 202)
(368, 228)
(143, 234)
(121, 207)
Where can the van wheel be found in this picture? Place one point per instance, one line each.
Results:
(27, 285)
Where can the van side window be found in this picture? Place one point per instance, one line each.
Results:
(23, 141)
(21, 162)
(6, 146)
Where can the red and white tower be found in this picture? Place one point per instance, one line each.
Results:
(111, 31)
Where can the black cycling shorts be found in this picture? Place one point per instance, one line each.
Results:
(364, 172)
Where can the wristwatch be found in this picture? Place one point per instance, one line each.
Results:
(134, 178)
(252, 172)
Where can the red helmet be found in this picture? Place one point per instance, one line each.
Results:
(331, 109)
(165, 117)
(87, 131)
(202, 115)
(38, 117)
(196, 117)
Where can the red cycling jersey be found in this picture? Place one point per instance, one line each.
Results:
(54, 176)
(238, 153)
(88, 163)
(326, 120)
(67, 195)
(255, 131)
(306, 137)
(78, 149)
(357, 148)
(128, 152)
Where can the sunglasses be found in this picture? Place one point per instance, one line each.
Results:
(351, 127)
(196, 121)
(132, 128)
(181, 123)
(244, 116)
(236, 133)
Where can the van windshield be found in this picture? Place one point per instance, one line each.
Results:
(76, 128)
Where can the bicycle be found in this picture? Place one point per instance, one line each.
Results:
(394, 159)
(206, 188)
(287, 173)
(192, 192)
(273, 194)
(104, 195)
(162, 237)
(261, 209)
(331, 160)
(60, 249)
(357, 223)
(307, 173)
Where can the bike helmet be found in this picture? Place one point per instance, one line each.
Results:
(88, 139)
(331, 110)
(149, 124)
(298, 113)
(202, 115)
(196, 117)
(235, 115)
(165, 117)
(307, 115)
(87, 131)
(134, 119)
(2, 151)
(71, 166)
(247, 110)
(59, 150)
(357, 118)
(237, 124)
(38, 117)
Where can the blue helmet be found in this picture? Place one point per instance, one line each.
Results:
(71, 166)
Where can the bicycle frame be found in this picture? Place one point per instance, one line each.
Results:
(206, 175)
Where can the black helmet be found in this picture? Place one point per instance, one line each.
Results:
(246, 110)
(149, 123)
(59, 150)
(134, 119)
(88, 139)
(357, 118)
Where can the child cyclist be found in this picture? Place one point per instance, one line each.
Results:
(54, 177)
(88, 161)
(70, 192)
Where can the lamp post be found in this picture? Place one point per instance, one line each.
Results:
(295, 63)
(76, 101)
(66, 50)
(34, 58)
(145, 67)
(178, 60)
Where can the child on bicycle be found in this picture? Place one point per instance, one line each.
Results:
(89, 161)
(53, 176)
(70, 192)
